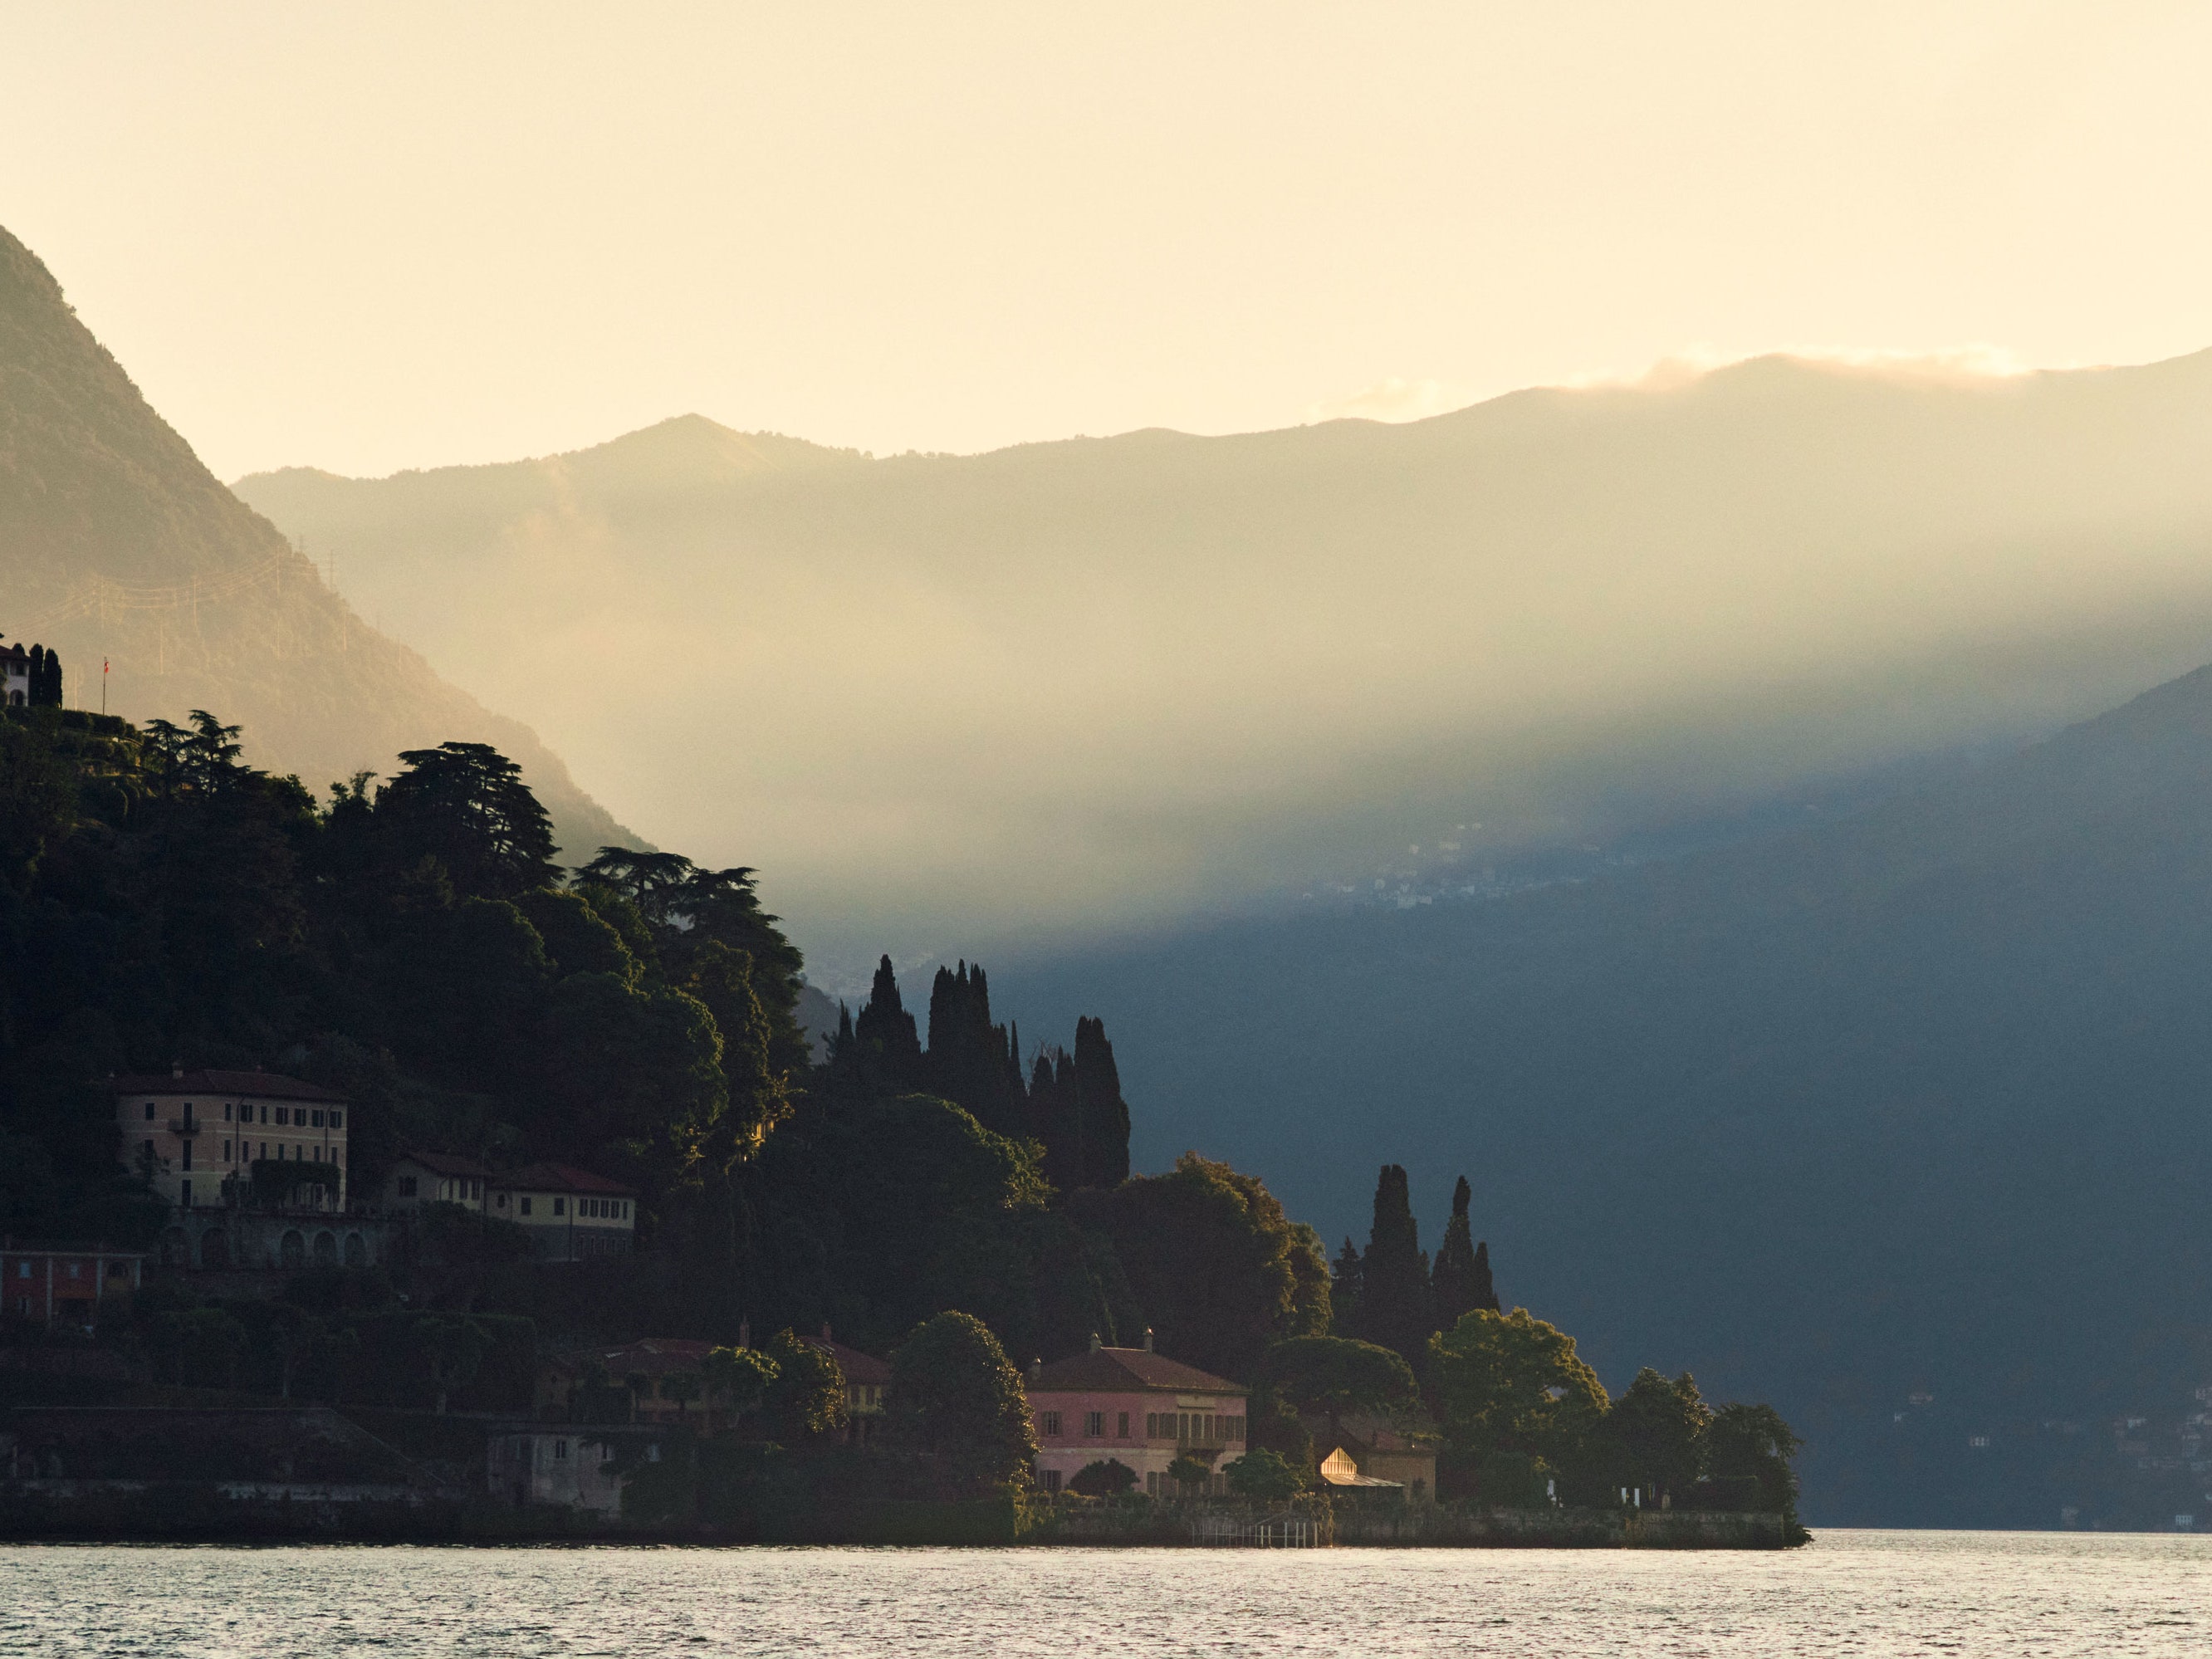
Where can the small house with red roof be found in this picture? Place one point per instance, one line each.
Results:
(417, 1178)
(1136, 1407)
(570, 1214)
(866, 1380)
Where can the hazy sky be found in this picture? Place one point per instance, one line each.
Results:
(371, 237)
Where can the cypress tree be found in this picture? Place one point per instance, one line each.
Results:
(1397, 1310)
(1344, 1289)
(1103, 1115)
(970, 1060)
(890, 1051)
(1485, 1293)
(53, 680)
(34, 687)
(1456, 1289)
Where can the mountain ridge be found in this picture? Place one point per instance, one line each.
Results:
(116, 545)
(1099, 681)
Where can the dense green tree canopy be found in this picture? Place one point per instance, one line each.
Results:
(1220, 1271)
(1661, 1428)
(1512, 1383)
(955, 1396)
(1336, 1375)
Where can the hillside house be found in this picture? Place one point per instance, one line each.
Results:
(866, 1380)
(190, 1132)
(1369, 1451)
(419, 1178)
(65, 1284)
(568, 1467)
(570, 1214)
(1136, 1407)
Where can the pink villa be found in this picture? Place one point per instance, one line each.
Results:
(1135, 1407)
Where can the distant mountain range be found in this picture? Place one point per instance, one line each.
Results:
(1903, 1120)
(116, 543)
(1067, 689)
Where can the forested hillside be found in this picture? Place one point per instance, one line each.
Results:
(116, 545)
(413, 946)
(1908, 1105)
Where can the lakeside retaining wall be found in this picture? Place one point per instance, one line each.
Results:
(170, 1510)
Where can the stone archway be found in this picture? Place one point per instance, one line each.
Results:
(326, 1250)
(292, 1253)
(357, 1250)
(176, 1249)
(215, 1248)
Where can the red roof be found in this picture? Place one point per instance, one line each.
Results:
(561, 1178)
(262, 1086)
(446, 1163)
(655, 1356)
(1125, 1370)
(858, 1367)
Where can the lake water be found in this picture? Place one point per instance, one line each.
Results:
(1870, 1593)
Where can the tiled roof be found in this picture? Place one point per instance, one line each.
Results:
(446, 1163)
(653, 1357)
(262, 1086)
(1119, 1370)
(560, 1178)
(858, 1367)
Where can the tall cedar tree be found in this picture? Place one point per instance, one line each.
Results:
(1462, 1278)
(1397, 1308)
(465, 804)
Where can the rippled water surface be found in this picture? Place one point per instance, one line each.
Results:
(1849, 1593)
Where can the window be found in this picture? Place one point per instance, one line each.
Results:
(283, 1116)
(1052, 1422)
(1094, 1426)
(149, 1111)
(318, 1120)
(226, 1111)
(22, 1270)
(185, 1194)
(407, 1186)
(264, 1116)
(1121, 1427)
(500, 1200)
(72, 1270)
(560, 1450)
(526, 1206)
(187, 1156)
(1052, 1479)
(265, 1149)
(226, 1152)
(337, 1120)
(560, 1206)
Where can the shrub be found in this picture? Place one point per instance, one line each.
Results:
(1108, 1479)
(1265, 1475)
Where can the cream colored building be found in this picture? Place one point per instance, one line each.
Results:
(420, 1178)
(570, 1214)
(190, 1132)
